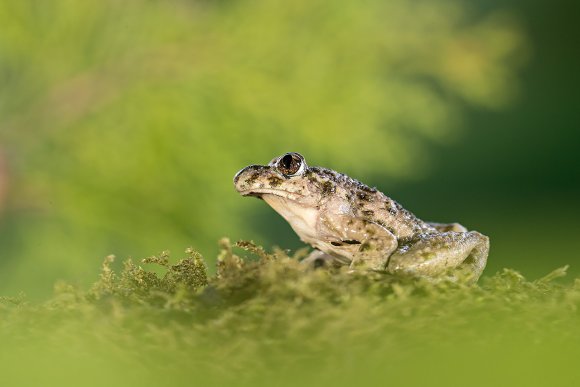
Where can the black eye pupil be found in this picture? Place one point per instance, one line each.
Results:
(290, 164)
(287, 161)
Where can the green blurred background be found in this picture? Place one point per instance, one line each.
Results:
(123, 123)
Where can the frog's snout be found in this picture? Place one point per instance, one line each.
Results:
(237, 175)
(251, 173)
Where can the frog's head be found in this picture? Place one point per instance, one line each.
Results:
(284, 178)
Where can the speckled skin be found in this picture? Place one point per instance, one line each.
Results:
(352, 224)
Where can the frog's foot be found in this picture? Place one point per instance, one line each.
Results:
(432, 255)
(319, 259)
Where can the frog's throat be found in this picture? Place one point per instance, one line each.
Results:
(259, 192)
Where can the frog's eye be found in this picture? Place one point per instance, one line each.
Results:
(291, 164)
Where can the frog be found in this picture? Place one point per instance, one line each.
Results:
(351, 224)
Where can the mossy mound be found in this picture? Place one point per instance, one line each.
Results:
(266, 318)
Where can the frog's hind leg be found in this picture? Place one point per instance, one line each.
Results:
(434, 254)
(446, 227)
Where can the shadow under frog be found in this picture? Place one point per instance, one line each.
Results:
(349, 223)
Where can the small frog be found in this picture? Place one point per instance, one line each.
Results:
(349, 223)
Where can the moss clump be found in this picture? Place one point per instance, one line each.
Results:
(135, 285)
(264, 315)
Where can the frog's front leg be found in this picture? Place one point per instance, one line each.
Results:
(319, 259)
(367, 244)
(433, 254)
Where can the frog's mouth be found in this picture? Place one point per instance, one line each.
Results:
(260, 192)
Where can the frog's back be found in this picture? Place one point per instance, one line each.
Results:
(376, 207)
(371, 204)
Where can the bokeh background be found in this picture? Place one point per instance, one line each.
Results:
(123, 123)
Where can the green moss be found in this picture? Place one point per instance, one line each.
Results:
(265, 315)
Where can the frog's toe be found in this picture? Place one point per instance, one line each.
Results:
(318, 260)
